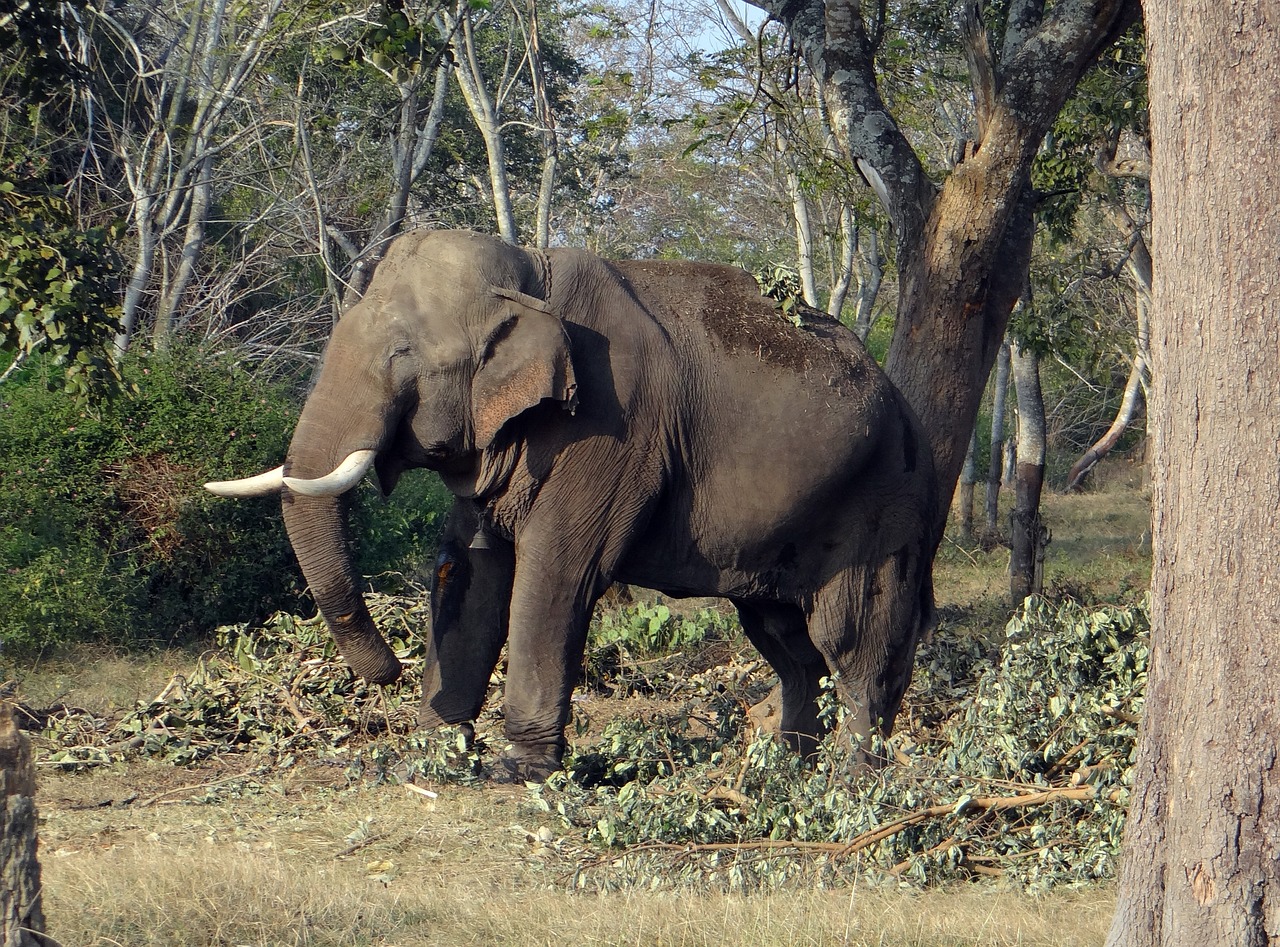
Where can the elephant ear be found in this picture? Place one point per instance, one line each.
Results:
(525, 361)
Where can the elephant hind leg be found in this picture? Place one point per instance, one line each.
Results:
(867, 625)
(780, 635)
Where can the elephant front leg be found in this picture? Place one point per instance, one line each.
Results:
(867, 626)
(548, 633)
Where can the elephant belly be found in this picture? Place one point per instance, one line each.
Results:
(746, 542)
(784, 504)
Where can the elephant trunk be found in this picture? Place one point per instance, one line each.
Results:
(317, 529)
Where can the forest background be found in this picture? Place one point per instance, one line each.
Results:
(194, 190)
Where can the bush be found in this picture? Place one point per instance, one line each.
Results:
(59, 283)
(106, 534)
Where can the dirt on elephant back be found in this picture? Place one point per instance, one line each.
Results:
(727, 301)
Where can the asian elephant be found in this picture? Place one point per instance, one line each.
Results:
(656, 423)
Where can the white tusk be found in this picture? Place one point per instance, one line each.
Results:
(261, 485)
(347, 474)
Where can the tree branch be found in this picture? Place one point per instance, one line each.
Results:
(839, 51)
(871, 837)
(982, 69)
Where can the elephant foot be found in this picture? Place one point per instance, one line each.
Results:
(767, 715)
(515, 766)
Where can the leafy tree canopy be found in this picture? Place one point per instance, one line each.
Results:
(59, 286)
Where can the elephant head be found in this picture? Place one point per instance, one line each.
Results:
(451, 342)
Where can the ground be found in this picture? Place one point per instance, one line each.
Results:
(231, 851)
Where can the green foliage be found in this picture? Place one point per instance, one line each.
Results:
(1110, 102)
(781, 283)
(1019, 767)
(652, 629)
(278, 688)
(31, 36)
(59, 285)
(107, 534)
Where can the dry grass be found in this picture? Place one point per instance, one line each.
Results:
(275, 866)
(97, 680)
(1101, 546)
(223, 891)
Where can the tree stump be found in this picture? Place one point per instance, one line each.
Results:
(21, 914)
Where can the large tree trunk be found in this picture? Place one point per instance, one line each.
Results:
(21, 913)
(955, 303)
(1202, 845)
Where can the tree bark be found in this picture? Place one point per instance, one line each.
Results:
(1202, 844)
(21, 912)
(1028, 536)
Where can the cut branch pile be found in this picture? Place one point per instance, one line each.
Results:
(1016, 765)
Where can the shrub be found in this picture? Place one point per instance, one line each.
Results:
(106, 533)
(651, 629)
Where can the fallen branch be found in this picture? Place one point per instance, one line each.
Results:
(873, 836)
(981, 804)
(150, 800)
(292, 706)
(363, 843)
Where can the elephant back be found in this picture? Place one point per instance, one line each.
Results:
(723, 307)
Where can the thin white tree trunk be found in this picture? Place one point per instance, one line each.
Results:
(968, 477)
(169, 162)
(1027, 535)
(995, 472)
(548, 135)
(1139, 267)
(192, 244)
(484, 112)
(803, 224)
(870, 276)
(844, 277)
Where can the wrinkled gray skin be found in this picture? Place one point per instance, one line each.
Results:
(653, 423)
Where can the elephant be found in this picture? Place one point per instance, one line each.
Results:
(656, 423)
